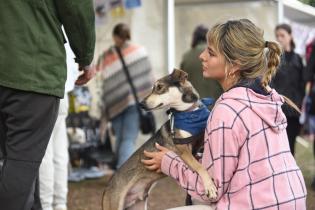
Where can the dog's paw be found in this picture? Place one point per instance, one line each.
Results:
(211, 191)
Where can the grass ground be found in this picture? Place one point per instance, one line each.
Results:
(305, 159)
(86, 195)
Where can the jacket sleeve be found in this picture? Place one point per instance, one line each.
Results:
(302, 77)
(220, 159)
(310, 68)
(77, 17)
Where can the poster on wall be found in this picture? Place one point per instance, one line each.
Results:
(101, 8)
(130, 4)
(117, 8)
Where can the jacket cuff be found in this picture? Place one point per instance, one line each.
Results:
(166, 163)
(88, 67)
(86, 61)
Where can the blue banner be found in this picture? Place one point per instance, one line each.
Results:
(129, 4)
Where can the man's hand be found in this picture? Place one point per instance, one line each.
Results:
(85, 76)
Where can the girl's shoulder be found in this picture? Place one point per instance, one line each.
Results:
(225, 110)
(237, 103)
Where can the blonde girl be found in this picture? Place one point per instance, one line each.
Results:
(246, 148)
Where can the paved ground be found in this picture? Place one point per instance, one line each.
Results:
(87, 195)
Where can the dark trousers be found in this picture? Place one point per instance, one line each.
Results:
(293, 130)
(37, 204)
(26, 123)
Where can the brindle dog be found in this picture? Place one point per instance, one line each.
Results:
(130, 185)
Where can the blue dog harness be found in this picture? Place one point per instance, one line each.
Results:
(194, 121)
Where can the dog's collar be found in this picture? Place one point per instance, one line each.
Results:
(171, 119)
(187, 140)
(175, 115)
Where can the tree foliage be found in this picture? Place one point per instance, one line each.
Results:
(309, 2)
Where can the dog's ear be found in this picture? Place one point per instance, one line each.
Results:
(179, 75)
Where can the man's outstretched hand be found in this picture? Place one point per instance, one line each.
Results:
(86, 76)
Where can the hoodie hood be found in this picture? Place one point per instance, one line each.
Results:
(267, 107)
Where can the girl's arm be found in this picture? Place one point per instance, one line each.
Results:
(220, 157)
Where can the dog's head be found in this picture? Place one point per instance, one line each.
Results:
(172, 91)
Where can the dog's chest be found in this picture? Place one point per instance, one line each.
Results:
(182, 133)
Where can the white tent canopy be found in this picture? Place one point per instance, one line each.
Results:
(302, 19)
(292, 9)
(265, 13)
(299, 12)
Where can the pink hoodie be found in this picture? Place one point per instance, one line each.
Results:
(246, 152)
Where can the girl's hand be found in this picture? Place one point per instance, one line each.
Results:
(154, 160)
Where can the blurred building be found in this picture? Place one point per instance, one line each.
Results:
(164, 27)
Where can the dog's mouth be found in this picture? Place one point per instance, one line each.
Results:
(158, 106)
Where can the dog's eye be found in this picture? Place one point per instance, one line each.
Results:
(158, 87)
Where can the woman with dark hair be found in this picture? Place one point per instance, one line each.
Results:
(199, 36)
(289, 80)
(119, 103)
(191, 64)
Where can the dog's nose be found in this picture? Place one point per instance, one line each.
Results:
(142, 105)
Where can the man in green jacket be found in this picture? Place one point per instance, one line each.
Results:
(32, 79)
(192, 65)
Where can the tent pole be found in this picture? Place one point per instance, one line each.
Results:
(170, 35)
(280, 11)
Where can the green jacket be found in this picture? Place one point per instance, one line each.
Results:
(192, 65)
(32, 54)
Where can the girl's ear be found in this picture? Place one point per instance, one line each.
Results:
(233, 69)
(235, 66)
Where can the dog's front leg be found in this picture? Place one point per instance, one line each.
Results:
(138, 205)
(189, 159)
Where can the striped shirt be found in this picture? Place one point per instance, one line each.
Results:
(117, 94)
(246, 152)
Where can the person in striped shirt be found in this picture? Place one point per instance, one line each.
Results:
(246, 149)
(118, 103)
